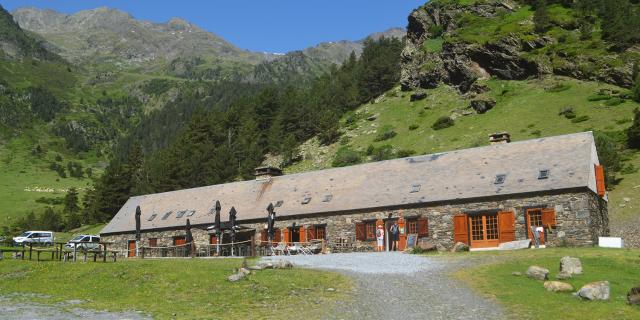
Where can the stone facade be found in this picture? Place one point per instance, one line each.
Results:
(581, 216)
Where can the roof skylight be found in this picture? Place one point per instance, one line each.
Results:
(180, 214)
(166, 215)
(190, 213)
(278, 203)
(153, 216)
(306, 200)
(500, 179)
(543, 174)
(415, 188)
(327, 198)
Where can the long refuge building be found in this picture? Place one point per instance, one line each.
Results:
(480, 196)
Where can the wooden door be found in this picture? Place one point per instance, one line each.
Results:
(484, 231)
(534, 219)
(131, 247)
(460, 228)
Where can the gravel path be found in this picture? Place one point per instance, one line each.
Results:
(394, 285)
(17, 307)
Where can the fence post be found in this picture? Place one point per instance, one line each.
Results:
(104, 257)
(75, 251)
(85, 255)
(142, 255)
(30, 250)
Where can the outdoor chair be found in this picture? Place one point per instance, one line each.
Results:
(280, 249)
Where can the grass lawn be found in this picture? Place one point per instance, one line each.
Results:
(185, 289)
(524, 298)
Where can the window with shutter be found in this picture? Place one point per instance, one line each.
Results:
(213, 239)
(153, 242)
(360, 231)
(423, 227)
(412, 226)
(303, 234)
(320, 232)
(600, 186)
(460, 229)
(371, 230)
(286, 235)
(264, 236)
(277, 237)
(548, 218)
(311, 232)
(507, 226)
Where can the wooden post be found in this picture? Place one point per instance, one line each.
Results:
(402, 243)
(85, 255)
(114, 256)
(60, 254)
(75, 251)
(22, 255)
(30, 249)
(142, 255)
(38, 255)
(104, 256)
(95, 256)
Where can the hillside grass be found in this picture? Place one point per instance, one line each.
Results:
(524, 298)
(526, 109)
(177, 288)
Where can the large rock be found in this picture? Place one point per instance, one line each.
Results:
(571, 265)
(557, 286)
(482, 105)
(418, 95)
(459, 247)
(538, 273)
(282, 264)
(598, 290)
(633, 297)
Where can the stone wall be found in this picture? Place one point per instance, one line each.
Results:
(581, 217)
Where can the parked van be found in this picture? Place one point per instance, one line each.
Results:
(35, 237)
(84, 242)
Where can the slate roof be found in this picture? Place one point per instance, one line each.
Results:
(440, 177)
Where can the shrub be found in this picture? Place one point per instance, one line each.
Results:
(580, 119)
(385, 133)
(403, 153)
(567, 112)
(598, 97)
(436, 30)
(413, 127)
(613, 101)
(385, 152)
(633, 133)
(345, 157)
(344, 140)
(443, 122)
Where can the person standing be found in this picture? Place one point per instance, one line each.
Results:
(395, 236)
(380, 237)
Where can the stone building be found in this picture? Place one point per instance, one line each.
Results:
(480, 196)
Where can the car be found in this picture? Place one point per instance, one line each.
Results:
(84, 242)
(35, 237)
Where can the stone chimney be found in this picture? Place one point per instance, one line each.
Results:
(267, 172)
(499, 138)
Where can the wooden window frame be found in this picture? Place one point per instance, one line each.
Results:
(412, 226)
(153, 242)
(370, 226)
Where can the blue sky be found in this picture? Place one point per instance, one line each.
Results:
(260, 25)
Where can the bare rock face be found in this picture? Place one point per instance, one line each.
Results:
(557, 286)
(482, 105)
(538, 273)
(570, 265)
(598, 290)
(460, 247)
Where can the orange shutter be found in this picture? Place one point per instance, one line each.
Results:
(460, 229)
(264, 236)
(276, 235)
(361, 233)
(303, 234)
(548, 218)
(423, 227)
(285, 235)
(507, 226)
(213, 239)
(600, 180)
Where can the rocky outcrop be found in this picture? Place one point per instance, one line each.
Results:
(538, 273)
(511, 56)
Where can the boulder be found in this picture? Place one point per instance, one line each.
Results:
(633, 297)
(571, 265)
(563, 275)
(538, 273)
(598, 290)
(418, 95)
(459, 247)
(282, 264)
(557, 286)
(482, 105)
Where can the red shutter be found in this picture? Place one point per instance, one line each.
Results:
(264, 236)
(600, 180)
(507, 226)
(153, 242)
(460, 229)
(311, 232)
(548, 218)
(213, 239)
(361, 232)
(285, 235)
(276, 236)
(423, 227)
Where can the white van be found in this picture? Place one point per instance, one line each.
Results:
(35, 237)
(84, 242)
